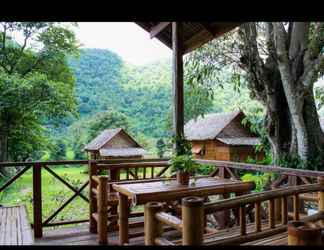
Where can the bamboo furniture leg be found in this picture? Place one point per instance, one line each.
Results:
(123, 219)
(192, 221)
(102, 210)
(152, 226)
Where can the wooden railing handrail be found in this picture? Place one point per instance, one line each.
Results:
(263, 168)
(212, 207)
(134, 164)
(77, 162)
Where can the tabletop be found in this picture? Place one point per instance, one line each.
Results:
(171, 190)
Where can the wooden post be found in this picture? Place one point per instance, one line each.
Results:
(37, 200)
(296, 206)
(177, 80)
(102, 210)
(284, 210)
(272, 222)
(123, 219)
(303, 234)
(277, 206)
(192, 221)
(257, 216)
(321, 197)
(92, 199)
(152, 226)
(242, 220)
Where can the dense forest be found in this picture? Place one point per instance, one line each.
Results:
(111, 93)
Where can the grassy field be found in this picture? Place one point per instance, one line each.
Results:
(54, 193)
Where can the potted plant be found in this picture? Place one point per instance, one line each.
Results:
(182, 162)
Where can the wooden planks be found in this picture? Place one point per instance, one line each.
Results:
(14, 226)
(163, 191)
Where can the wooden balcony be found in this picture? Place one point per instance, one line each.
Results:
(48, 231)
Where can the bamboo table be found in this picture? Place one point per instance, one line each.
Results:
(161, 191)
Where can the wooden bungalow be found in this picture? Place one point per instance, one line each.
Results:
(221, 136)
(114, 144)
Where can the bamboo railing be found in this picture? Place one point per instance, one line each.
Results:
(194, 211)
(135, 170)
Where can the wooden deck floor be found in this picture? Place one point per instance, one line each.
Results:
(80, 236)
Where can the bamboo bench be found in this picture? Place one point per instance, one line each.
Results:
(192, 223)
(14, 226)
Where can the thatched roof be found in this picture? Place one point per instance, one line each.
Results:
(122, 152)
(211, 126)
(104, 137)
(246, 141)
(195, 34)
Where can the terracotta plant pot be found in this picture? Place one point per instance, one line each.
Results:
(183, 177)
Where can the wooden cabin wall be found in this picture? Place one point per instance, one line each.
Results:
(219, 151)
(213, 150)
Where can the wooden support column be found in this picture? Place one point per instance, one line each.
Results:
(177, 80)
(102, 210)
(123, 219)
(192, 221)
(92, 199)
(37, 200)
(152, 226)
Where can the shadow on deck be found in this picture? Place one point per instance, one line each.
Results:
(80, 236)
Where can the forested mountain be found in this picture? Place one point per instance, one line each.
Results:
(111, 92)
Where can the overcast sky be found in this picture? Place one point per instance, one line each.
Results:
(127, 39)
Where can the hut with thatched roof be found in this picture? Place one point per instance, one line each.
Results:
(221, 136)
(114, 144)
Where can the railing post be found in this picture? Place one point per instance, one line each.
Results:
(321, 197)
(277, 205)
(102, 209)
(37, 200)
(92, 199)
(152, 226)
(192, 221)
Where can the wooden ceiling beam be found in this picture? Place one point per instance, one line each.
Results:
(205, 36)
(158, 28)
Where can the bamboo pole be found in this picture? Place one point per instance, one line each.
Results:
(284, 210)
(271, 214)
(152, 226)
(296, 206)
(192, 221)
(242, 220)
(92, 199)
(123, 219)
(257, 216)
(102, 210)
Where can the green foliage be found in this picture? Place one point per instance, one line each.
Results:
(36, 84)
(260, 180)
(294, 161)
(161, 147)
(184, 163)
(182, 159)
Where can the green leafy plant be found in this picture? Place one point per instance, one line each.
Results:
(182, 159)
